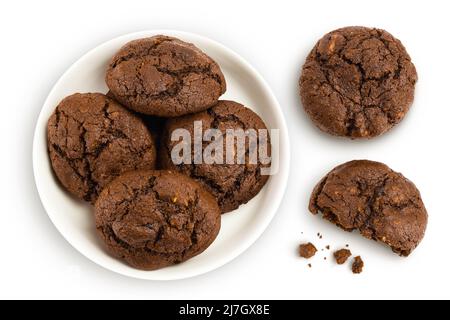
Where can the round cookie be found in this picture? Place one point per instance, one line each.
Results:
(357, 82)
(92, 139)
(154, 219)
(164, 76)
(368, 196)
(232, 184)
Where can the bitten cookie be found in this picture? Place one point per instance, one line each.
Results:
(232, 184)
(164, 76)
(154, 219)
(368, 196)
(93, 139)
(357, 82)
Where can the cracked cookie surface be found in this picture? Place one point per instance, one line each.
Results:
(370, 197)
(154, 219)
(357, 82)
(164, 76)
(92, 139)
(232, 184)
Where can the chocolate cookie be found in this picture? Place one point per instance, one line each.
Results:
(232, 184)
(357, 82)
(92, 139)
(368, 196)
(154, 219)
(164, 76)
(154, 124)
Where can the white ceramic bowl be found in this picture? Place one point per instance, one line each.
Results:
(240, 229)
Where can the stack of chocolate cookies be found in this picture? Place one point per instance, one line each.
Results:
(114, 151)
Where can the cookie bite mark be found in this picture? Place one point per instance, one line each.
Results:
(92, 139)
(164, 76)
(370, 197)
(357, 82)
(154, 219)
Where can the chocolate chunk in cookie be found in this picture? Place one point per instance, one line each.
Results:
(92, 139)
(368, 196)
(164, 76)
(233, 183)
(357, 82)
(154, 219)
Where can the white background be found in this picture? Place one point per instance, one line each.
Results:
(41, 39)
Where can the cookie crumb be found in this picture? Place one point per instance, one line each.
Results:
(307, 250)
(342, 256)
(309, 265)
(358, 265)
(328, 247)
(347, 246)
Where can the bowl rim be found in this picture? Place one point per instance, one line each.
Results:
(282, 175)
